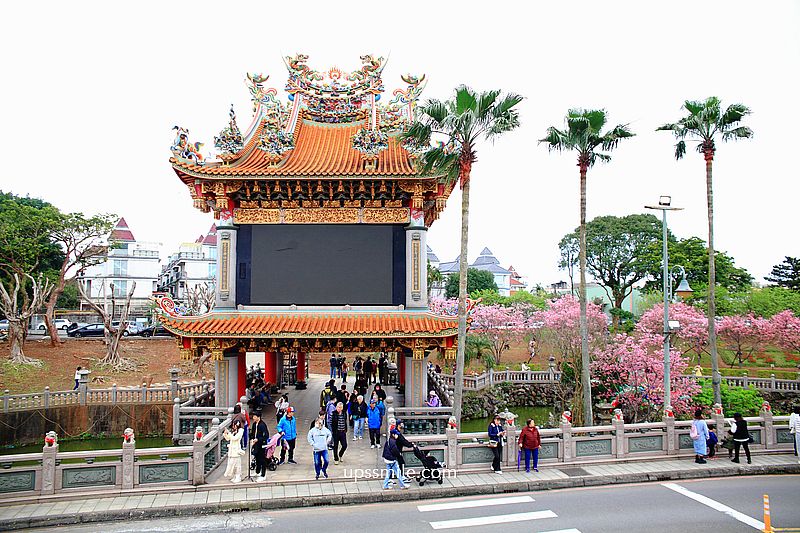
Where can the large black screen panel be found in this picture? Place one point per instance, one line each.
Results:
(325, 264)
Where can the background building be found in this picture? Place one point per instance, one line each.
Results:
(128, 261)
(486, 261)
(195, 263)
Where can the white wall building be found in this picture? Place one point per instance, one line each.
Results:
(195, 263)
(485, 261)
(128, 261)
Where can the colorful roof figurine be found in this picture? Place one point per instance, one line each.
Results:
(335, 139)
(121, 232)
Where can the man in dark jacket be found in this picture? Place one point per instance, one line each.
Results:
(392, 456)
(402, 442)
(741, 438)
(339, 430)
(260, 439)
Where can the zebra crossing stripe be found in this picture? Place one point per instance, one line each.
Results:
(467, 504)
(571, 530)
(489, 520)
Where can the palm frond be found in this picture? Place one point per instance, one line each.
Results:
(466, 100)
(418, 133)
(694, 107)
(680, 149)
(486, 100)
(610, 140)
(596, 118)
(742, 132)
(435, 110)
(555, 139)
(732, 115)
(603, 158)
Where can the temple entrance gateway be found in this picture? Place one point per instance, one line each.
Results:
(322, 221)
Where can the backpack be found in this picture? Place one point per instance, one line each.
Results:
(693, 432)
(326, 396)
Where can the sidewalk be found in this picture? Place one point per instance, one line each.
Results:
(184, 501)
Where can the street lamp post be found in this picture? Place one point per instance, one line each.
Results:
(683, 288)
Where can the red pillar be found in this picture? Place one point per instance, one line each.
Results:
(401, 367)
(241, 374)
(301, 366)
(271, 367)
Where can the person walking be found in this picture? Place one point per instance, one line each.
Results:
(529, 443)
(260, 439)
(359, 415)
(77, 377)
(344, 369)
(433, 400)
(328, 392)
(351, 409)
(329, 409)
(342, 395)
(368, 370)
(383, 368)
(287, 427)
(379, 392)
(698, 431)
(339, 430)
(391, 456)
(794, 428)
(374, 420)
(333, 361)
(281, 405)
(235, 452)
(319, 437)
(496, 434)
(741, 437)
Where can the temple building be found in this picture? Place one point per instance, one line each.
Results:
(321, 221)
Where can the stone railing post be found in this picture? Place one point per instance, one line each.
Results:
(46, 398)
(772, 384)
(6, 394)
(511, 448)
(198, 462)
(452, 456)
(718, 416)
(176, 420)
(83, 385)
(746, 380)
(128, 454)
(770, 438)
(49, 454)
(619, 433)
(114, 394)
(173, 379)
(566, 441)
(671, 435)
(143, 393)
(389, 403)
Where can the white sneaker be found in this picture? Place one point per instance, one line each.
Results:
(355, 438)
(360, 438)
(261, 479)
(499, 472)
(236, 480)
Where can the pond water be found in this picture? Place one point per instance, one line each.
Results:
(540, 414)
(90, 444)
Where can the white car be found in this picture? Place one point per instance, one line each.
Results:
(60, 323)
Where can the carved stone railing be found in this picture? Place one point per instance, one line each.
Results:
(113, 395)
(617, 441)
(493, 377)
(423, 420)
(196, 411)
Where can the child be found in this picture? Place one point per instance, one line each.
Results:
(712, 443)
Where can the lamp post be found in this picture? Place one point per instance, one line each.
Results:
(664, 205)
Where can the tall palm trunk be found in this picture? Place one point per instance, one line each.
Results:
(712, 283)
(462, 303)
(585, 388)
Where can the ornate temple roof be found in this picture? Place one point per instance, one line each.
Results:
(308, 324)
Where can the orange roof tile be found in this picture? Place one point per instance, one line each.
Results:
(272, 324)
(320, 150)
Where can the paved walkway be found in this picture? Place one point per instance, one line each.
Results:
(185, 501)
(306, 404)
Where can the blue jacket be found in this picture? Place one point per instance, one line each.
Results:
(288, 427)
(374, 417)
(382, 408)
(494, 432)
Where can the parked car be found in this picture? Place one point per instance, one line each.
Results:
(92, 330)
(154, 331)
(76, 325)
(4, 325)
(60, 323)
(131, 329)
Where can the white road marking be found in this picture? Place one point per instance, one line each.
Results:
(488, 520)
(573, 530)
(474, 503)
(705, 500)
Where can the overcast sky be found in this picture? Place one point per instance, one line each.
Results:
(90, 93)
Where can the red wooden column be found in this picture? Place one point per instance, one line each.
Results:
(271, 367)
(301, 366)
(241, 375)
(401, 366)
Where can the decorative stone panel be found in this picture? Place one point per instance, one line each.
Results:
(412, 461)
(651, 443)
(685, 442)
(756, 436)
(163, 473)
(548, 450)
(585, 448)
(88, 477)
(477, 454)
(17, 481)
(784, 437)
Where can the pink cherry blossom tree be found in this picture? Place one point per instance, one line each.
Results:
(744, 335)
(786, 331)
(629, 371)
(501, 326)
(444, 306)
(691, 338)
(559, 325)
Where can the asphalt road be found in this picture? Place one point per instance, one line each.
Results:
(725, 505)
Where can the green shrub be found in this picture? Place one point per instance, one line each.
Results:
(734, 399)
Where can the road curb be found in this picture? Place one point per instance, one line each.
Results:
(421, 493)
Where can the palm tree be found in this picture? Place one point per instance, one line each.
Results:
(583, 134)
(463, 121)
(705, 121)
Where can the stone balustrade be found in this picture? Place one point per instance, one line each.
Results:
(492, 377)
(113, 395)
(617, 441)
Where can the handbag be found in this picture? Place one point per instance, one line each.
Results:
(492, 444)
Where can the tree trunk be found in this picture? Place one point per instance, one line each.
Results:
(16, 339)
(462, 303)
(584, 377)
(50, 308)
(712, 285)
